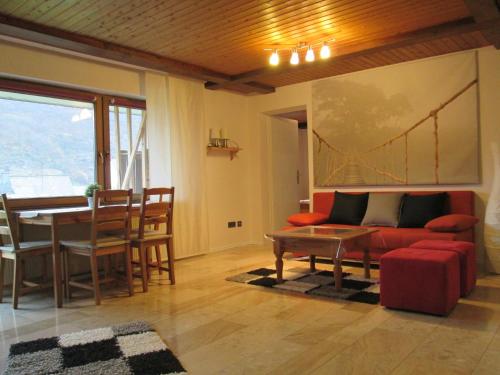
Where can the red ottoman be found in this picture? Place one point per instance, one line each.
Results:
(420, 280)
(466, 255)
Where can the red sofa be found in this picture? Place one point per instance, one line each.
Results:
(389, 238)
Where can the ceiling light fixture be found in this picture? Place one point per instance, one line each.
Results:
(275, 58)
(294, 59)
(310, 54)
(294, 50)
(324, 53)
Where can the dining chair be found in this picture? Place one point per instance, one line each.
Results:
(157, 207)
(109, 235)
(18, 251)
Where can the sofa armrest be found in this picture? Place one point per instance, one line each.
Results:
(307, 218)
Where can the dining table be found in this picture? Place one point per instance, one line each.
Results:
(55, 218)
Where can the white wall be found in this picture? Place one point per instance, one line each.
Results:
(300, 95)
(229, 195)
(37, 65)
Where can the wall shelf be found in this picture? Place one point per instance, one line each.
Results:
(232, 151)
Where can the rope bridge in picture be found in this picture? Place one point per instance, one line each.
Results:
(350, 162)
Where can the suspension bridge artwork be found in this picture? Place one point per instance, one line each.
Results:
(364, 135)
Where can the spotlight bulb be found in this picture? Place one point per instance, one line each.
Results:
(294, 59)
(310, 55)
(274, 59)
(325, 51)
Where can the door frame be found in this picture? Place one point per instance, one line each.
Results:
(269, 197)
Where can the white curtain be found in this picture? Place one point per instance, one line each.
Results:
(158, 130)
(176, 118)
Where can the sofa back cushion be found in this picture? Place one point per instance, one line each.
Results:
(459, 202)
(348, 208)
(417, 210)
(383, 209)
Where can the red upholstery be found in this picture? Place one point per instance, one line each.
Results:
(420, 280)
(452, 223)
(307, 218)
(388, 238)
(467, 258)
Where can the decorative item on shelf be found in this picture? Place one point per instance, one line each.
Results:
(293, 49)
(492, 216)
(222, 143)
(89, 193)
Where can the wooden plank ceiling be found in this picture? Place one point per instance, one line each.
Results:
(222, 41)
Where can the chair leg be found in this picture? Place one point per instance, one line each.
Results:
(144, 267)
(107, 266)
(95, 278)
(67, 274)
(148, 262)
(158, 259)
(128, 270)
(16, 282)
(170, 254)
(2, 268)
(23, 269)
(45, 270)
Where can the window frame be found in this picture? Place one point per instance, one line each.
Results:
(102, 157)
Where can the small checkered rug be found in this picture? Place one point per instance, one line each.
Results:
(318, 283)
(133, 348)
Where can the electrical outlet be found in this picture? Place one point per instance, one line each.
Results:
(231, 224)
(239, 223)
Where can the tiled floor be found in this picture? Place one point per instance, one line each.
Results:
(221, 327)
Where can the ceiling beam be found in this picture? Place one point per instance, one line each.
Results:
(448, 29)
(54, 37)
(486, 10)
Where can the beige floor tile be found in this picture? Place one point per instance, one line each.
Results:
(221, 327)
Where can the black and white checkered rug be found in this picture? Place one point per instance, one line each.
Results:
(318, 283)
(133, 348)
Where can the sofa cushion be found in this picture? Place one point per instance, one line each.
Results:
(392, 238)
(417, 210)
(388, 238)
(348, 208)
(383, 209)
(307, 218)
(452, 223)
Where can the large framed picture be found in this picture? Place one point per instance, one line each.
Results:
(408, 124)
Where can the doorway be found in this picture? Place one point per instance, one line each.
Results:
(289, 172)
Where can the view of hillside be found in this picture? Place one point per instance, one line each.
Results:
(45, 149)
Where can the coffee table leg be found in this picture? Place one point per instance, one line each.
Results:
(366, 262)
(278, 253)
(337, 273)
(312, 262)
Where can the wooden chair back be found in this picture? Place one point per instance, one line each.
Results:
(157, 207)
(8, 223)
(112, 212)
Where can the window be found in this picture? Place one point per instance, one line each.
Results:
(55, 141)
(127, 133)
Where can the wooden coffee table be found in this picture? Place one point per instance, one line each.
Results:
(328, 242)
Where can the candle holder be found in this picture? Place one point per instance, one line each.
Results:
(219, 142)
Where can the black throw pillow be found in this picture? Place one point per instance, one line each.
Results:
(348, 208)
(417, 210)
